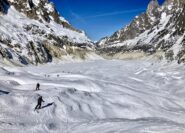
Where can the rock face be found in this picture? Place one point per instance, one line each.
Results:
(32, 31)
(161, 28)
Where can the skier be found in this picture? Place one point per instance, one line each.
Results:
(31, 3)
(39, 103)
(37, 87)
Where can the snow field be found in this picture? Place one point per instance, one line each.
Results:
(92, 97)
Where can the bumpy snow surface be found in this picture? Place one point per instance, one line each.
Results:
(94, 97)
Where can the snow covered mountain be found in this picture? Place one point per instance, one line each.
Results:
(32, 31)
(160, 28)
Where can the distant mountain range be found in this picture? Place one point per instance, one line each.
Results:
(32, 32)
(160, 28)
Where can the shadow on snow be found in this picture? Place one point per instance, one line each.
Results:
(3, 92)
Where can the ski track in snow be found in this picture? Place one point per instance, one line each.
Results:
(94, 97)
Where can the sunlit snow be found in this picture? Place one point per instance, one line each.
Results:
(94, 97)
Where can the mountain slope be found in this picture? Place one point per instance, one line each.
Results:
(161, 28)
(33, 32)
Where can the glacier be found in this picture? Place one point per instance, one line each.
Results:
(142, 96)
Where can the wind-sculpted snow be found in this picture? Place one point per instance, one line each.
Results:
(94, 97)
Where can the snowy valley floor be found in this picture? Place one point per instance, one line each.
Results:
(94, 97)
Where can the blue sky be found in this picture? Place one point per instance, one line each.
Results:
(100, 18)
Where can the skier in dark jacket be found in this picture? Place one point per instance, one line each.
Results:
(37, 87)
(31, 3)
(39, 103)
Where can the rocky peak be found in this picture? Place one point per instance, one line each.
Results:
(41, 10)
(152, 9)
(152, 5)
